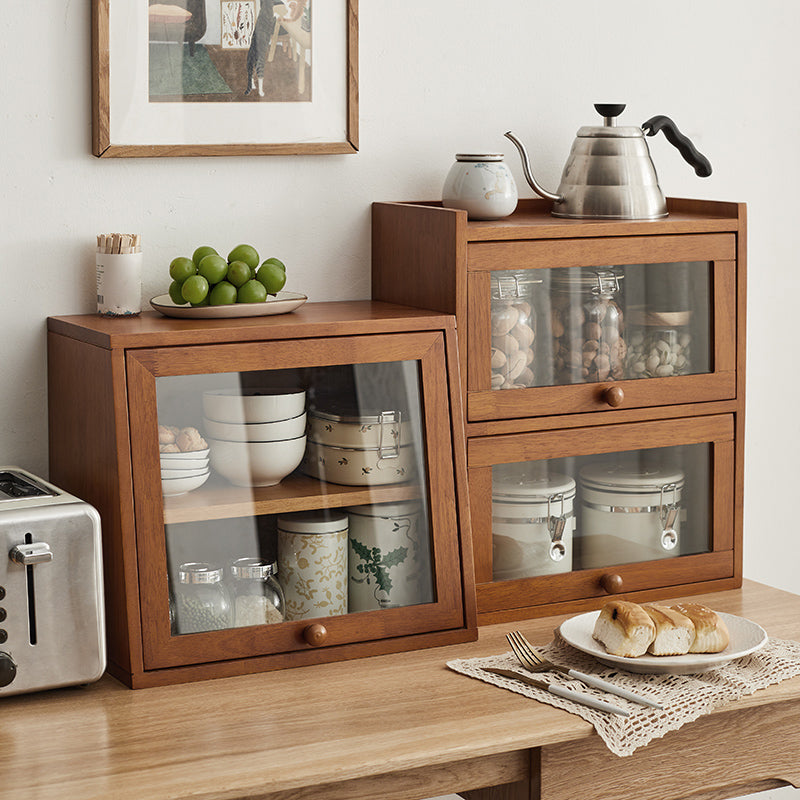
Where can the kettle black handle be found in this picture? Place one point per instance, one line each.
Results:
(701, 164)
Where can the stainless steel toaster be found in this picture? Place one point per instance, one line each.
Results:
(52, 621)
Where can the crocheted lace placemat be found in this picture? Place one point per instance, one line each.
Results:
(684, 697)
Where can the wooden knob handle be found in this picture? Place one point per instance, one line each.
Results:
(315, 634)
(611, 583)
(614, 396)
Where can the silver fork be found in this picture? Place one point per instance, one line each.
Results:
(531, 660)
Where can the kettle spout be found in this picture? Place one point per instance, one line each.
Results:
(526, 167)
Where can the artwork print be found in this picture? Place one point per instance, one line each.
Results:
(230, 51)
(224, 77)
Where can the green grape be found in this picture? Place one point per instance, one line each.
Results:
(277, 262)
(195, 289)
(222, 294)
(272, 276)
(238, 273)
(251, 292)
(246, 253)
(202, 252)
(181, 268)
(213, 268)
(175, 294)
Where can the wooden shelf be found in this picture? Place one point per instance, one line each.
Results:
(218, 499)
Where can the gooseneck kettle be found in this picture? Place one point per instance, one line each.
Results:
(609, 173)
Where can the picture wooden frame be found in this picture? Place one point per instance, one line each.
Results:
(318, 115)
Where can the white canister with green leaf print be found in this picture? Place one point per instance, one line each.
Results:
(312, 563)
(389, 556)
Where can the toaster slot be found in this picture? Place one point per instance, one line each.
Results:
(28, 555)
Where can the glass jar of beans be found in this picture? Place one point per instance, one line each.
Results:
(513, 330)
(202, 602)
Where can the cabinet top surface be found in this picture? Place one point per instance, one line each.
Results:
(532, 220)
(151, 329)
(275, 732)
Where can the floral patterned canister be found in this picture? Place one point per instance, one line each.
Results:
(389, 560)
(312, 563)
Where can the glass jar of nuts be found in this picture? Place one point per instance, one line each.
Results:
(587, 326)
(202, 602)
(513, 330)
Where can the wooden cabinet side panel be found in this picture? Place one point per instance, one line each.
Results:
(90, 457)
(418, 255)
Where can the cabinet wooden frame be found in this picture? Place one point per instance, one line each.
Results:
(503, 600)
(429, 256)
(161, 648)
(102, 415)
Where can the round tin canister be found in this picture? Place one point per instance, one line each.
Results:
(629, 513)
(312, 563)
(533, 522)
(389, 556)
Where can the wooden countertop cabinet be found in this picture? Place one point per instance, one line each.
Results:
(113, 381)
(596, 353)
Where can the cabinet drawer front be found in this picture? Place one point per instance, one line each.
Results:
(704, 759)
(563, 337)
(567, 516)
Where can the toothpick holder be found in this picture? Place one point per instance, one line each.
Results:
(119, 281)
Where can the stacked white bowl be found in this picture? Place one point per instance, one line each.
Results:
(182, 472)
(257, 436)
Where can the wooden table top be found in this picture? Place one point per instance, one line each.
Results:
(271, 734)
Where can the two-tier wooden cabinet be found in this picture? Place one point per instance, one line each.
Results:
(367, 538)
(603, 393)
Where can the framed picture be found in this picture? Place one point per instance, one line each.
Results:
(224, 77)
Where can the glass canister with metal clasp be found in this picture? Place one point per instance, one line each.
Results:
(257, 596)
(533, 521)
(628, 513)
(513, 330)
(202, 602)
(587, 326)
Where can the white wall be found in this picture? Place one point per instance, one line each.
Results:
(435, 78)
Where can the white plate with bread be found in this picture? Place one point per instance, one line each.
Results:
(682, 639)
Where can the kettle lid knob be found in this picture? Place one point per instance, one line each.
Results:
(610, 112)
(609, 109)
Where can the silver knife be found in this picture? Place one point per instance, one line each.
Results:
(599, 683)
(561, 691)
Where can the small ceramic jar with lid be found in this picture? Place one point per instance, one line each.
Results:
(629, 512)
(532, 521)
(257, 596)
(482, 184)
(202, 602)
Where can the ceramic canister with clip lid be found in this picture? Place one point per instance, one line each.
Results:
(628, 513)
(532, 522)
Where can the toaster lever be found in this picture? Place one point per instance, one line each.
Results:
(33, 553)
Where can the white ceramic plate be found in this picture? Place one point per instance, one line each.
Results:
(174, 486)
(746, 638)
(186, 455)
(282, 303)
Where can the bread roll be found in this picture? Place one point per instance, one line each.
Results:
(711, 634)
(674, 631)
(624, 628)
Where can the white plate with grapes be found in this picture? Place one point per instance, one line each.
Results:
(281, 303)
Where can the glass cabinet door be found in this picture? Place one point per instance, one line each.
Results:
(579, 513)
(597, 336)
(293, 483)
